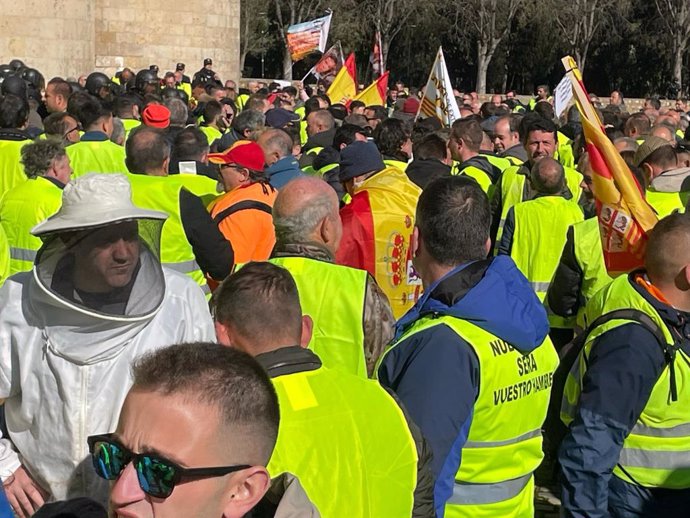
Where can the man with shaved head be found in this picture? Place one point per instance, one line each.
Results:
(281, 165)
(353, 320)
(628, 394)
(535, 233)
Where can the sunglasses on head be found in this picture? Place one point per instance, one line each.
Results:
(157, 475)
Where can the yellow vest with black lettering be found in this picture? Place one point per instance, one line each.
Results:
(665, 203)
(504, 443)
(513, 188)
(589, 256)
(163, 193)
(102, 156)
(348, 442)
(11, 168)
(129, 125)
(20, 210)
(541, 227)
(656, 453)
(333, 296)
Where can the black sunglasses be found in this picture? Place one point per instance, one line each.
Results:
(157, 476)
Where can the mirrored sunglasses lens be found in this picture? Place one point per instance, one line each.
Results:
(108, 459)
(155, 477)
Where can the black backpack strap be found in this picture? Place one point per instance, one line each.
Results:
(242, 205)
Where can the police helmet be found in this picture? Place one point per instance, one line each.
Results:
(95, 81)
(175, 93)
(145, 77)
(17, 64)
(33, 78)
(14, 85)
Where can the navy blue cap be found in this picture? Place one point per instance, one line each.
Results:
(359, 158)
(280, 117)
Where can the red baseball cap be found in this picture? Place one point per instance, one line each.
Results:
(243, 153)
(156, 116)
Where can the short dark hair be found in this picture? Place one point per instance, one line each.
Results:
(89, 110)
(260, 301)
(545, 109)
(356, 104)
(311, 105)
(56, 124)
(221, 377)
(380, 112)
(654, 101)
(390, 135)
(640, 122)
(469, 131)
(345, 134)
(61, 87)
(431, 146)
(454, 219)
(668, 237)
(125, 103)
(255, 101)
(146, 149)
(189, 144)
(14, 111)
(537, 123)
(212, 110)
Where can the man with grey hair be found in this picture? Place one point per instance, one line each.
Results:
(353, 320)
(281, 165)
(178, 117)
(118, 135)
(47, 166)
(535, 233)
(245, 126)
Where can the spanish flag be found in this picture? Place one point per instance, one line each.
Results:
(344, 86)
(375, 93)
(624, 215)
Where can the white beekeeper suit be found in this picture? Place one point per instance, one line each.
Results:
(65, 360)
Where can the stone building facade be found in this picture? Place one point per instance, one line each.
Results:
(73, 37)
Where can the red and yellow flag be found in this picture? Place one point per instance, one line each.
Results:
(375, 93)
(344, 86)
(625, 217)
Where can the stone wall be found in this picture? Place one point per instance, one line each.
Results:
(73, 37)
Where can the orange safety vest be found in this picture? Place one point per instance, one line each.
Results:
(244, 217)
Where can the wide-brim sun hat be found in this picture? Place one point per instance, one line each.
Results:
(95, 200)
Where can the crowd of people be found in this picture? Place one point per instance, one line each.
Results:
(222, 301)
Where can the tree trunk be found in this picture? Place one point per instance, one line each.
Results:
(678, 65)
(483, 60)
(287, 65)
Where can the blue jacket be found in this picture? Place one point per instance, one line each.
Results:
(624, 365)
(435, 373)
(282, 171)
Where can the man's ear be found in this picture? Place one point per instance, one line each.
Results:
(307, 330)
(245, 490)
(487, 246)
(414, 242)
(223, 335)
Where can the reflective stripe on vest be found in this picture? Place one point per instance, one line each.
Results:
(23, 254)
(656, 453)
(503, 446)
(22, 208)
(361, 459)
(183, 267)
(483, 494)
(333, 296)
